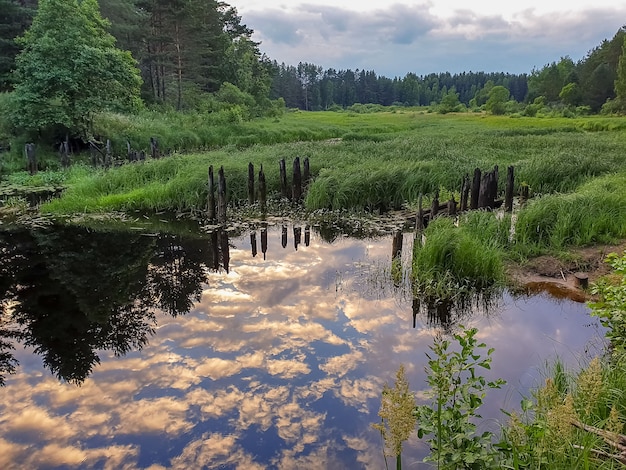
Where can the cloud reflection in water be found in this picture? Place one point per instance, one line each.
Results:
(280, 364)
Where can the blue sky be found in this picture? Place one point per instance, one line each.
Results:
(397, 37)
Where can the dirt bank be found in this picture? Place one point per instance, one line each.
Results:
(558, 276)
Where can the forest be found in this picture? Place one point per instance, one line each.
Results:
(199, 56)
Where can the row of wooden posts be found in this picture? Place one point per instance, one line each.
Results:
(480, 192)
(99, 156)
(217, 198)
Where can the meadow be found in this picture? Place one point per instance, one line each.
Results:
(367, 162)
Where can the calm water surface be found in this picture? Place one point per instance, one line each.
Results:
(258, 350)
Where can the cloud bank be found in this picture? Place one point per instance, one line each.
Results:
(400, 38)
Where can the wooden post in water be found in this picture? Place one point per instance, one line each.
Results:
(465, 188)
(250, 183)
(264, 241)
(296, 186)
(297, 237)
(306, 173)
(283, 179)
(434, 207)
(224, 249)
(253, 243)
(31, 158)
(307, 235)
(221, 196)
(419, 218)
(283, 238)
(475, 189)
(452, 206)
(396, 244)
(262, 191)
(493, 187)
(508, 193)
(211, 198)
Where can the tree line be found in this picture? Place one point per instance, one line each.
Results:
(199, 55)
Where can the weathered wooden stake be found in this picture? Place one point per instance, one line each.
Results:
(297, 237)
(306, 173)
(508, 194)
(452, 206)
(250, 183)
(154, 147)
(283, 178)
(215, 253)
(419, 218)
(262, 191)
(475, 189)
(581, 280)
(283, 238)
(493, 187)
(224, 249)
(221, 196)
(296, 181)
(31, 158)
(307, 235)
(253, 243)
(264, 241)
(211, 199)
(434, 208)
(396, 244)
(465, 188)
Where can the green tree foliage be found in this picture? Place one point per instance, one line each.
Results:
(498, 97)
(15, 17)
(70, 69)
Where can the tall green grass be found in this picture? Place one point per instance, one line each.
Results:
(453, 260)
(593, 214)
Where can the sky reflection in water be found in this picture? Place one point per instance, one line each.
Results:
(279, 365)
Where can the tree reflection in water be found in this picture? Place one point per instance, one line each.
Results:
(69, 291)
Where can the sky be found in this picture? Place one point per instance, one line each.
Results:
(396, 37)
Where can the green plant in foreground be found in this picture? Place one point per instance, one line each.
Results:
(611, 304)
(457, 392)
(397, 419)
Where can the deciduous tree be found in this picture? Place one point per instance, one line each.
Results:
(69, 69)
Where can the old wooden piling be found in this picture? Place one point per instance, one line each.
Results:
(253, 243)
(508, 193)
(262, 191)
(297, 237)
(493, 186)
(306, 174)
(434, 208)
(581, 280)
(396, 244)
(283, 237)
(452, 207)
(250, 183)
(221, 196)
(307, 235)
(296, 186)
(224, 250)
(31, 158)
(264, 241)
(475, 191)
(154, 147)
(465, 189)
(284, 192)
(419, 218)
(211, 196)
